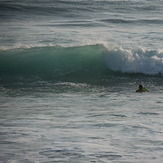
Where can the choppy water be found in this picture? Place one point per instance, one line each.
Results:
(96, 125)
(78, 22)
(68, 74)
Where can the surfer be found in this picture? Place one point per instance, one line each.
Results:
(142, 89)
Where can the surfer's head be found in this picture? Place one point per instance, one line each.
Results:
(140, 87)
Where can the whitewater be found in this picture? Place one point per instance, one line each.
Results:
(69, 70)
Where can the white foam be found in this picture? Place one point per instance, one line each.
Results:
(134, 60)
(25, 46)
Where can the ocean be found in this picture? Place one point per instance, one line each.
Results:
(69, 71)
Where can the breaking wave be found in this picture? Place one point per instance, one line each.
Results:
(81, 63)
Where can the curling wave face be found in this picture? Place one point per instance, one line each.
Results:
(81, 63)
